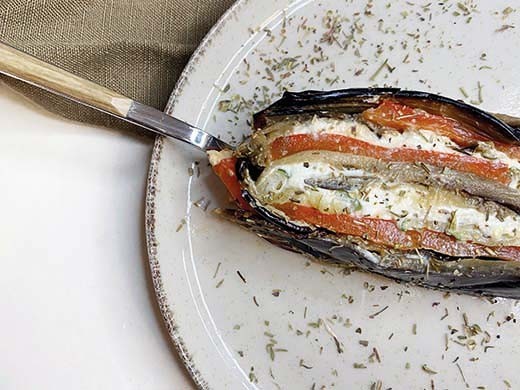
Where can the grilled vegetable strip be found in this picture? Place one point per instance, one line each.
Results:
(336, 188)
(411, 173)
(224, 166)
(469, 275)
(286, 146)
(401, 117)
(511, 151)
(411, 185)
(387, 233)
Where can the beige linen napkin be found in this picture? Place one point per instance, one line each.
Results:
(136, 47)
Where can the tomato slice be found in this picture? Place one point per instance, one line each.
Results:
(386, 232)
(511, 151)
(286, 146)
(401, 117)
(225, 170)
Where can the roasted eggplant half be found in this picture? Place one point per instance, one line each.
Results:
(410, 185)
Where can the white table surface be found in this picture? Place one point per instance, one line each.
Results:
(77, 307)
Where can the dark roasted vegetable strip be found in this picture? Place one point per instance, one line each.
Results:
(472, 276)
(357, 100)
(388, 197)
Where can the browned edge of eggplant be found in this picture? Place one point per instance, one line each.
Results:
(479, 277)
(488, 278)
(356, 100)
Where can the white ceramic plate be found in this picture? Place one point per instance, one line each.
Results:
(259, 48)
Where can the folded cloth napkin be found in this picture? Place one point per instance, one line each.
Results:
(135, 47)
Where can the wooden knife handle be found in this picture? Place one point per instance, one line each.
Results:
(29, 69)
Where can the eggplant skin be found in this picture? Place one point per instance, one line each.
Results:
(476, 276)
(356, 100)
(479, 277)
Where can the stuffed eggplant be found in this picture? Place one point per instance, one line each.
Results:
(410, 185)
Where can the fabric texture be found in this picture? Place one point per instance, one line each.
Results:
(135, 47)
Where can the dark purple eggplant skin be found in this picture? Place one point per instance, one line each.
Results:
(479, 277)
(482, 277)
(356, 100)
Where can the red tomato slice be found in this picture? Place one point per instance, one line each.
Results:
(401, 117)
(286, 146)
(511, 151)
(386, 232)
(225, 170)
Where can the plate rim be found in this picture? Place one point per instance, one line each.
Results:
(150, 209)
